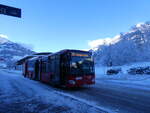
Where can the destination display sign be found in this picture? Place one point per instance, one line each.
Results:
(10, 11)
(79, 54)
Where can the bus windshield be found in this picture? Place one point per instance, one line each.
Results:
(82, 66)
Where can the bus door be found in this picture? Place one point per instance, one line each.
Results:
(40, 70)
(64, 68)
(55, 63)
(24, 69)
(36, 70)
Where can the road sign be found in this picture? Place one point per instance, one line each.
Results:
(10, 11)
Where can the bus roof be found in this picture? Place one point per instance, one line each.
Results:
(69, 50)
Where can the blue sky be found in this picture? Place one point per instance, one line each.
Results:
(52, 25)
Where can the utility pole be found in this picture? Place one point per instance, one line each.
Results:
(10, 11)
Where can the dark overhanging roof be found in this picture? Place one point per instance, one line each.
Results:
(21, 61)
(43, 53)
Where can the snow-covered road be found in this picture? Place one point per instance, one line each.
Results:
(18, 94)
(21, 95)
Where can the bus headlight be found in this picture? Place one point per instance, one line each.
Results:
(78, 78)
(93, 79)
(72, 82)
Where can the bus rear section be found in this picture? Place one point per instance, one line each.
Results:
(32, 68)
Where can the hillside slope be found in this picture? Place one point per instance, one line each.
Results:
(129, 47)
(10, 52)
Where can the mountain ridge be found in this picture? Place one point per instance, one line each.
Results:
(10, 52)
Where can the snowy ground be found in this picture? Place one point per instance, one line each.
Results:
(123, 76)
(21, 95)
(101, 70)
(121, 93)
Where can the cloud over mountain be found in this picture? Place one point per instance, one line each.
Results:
(103, 41)
(3, 36)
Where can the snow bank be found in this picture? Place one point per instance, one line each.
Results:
(100, 72)
(140, 81)
(3, 65)
(103, 69)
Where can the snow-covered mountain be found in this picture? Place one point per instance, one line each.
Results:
(10, 52)
(129, 47)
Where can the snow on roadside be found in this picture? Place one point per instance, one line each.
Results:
(123, 76)
(34, 95)
(101, 70)
(3, 65)
(12, 71)
(85, 101)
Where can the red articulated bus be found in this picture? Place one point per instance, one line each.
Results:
(67, 68)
